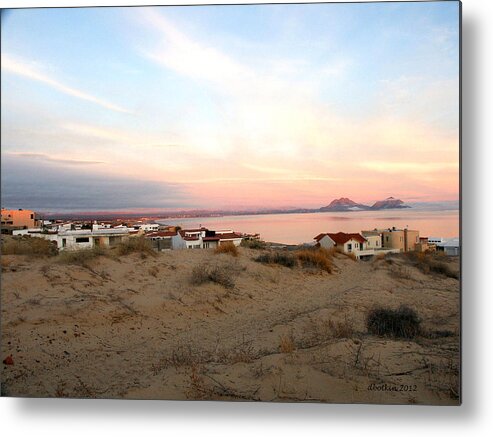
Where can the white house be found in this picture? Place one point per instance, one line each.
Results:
(201, 238)
(353, 243)
(86, 238)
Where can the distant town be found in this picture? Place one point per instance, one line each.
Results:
(91, 233)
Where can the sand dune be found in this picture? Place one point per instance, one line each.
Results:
(136, 327)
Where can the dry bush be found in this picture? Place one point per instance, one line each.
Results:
(227, 248)
(350, 255)
(429, 262)
(253, 244)
(284, 259)
(135, 245)
(319, 258)
(341, 329)
(80, 257)
(197, 389)
(400, 272)
(320, 330)
(153, 271)
(286, 344)
(218, 274)
(402, 322)
(27, 245)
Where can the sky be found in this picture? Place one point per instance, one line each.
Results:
(229, 107)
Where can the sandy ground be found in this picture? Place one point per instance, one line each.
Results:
(135, 327)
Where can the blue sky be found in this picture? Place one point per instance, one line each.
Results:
(230, 106)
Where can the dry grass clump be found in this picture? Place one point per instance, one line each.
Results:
(284, 259)
(402, 322)
(227, 248)
(80, 257)
(319, 258)
(135, 245)
(27, 245)
(399, 272)
(286, 344)
(204, 273)
(253, 244)
(320, 330)
(431, 263)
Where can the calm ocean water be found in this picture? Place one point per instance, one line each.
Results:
(301, 228)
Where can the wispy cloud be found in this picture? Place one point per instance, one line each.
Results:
(409, 167)
(32, 71)
(48, 158)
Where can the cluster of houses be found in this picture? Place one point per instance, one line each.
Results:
(69, 235)
(373, 242)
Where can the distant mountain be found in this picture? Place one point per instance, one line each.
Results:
(389, 203)
(344, 204)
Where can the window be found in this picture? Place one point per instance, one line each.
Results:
(32, 216)
(82, 240)
(349, 246)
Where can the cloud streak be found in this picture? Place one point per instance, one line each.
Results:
(47, 158)
(29, 70)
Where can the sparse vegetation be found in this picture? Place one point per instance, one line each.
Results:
(135, 245)
(27, 245)
(403, 322)
(227, 248)
(218, 274)
(253, 244)
(284, 259)
(286, 344)
(431, 263)
(320, 330)
(80, 257)
(316, 258)
(400, 272)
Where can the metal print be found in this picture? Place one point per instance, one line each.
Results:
(236, 203)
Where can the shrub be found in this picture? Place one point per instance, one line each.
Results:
(204, 273)
(80, 257)
(284, 259)
(135, 245)
(253, 244)
(228, 248)
(27, 245)
(428, 263)
(403, 322)
(286, 344)
(319, 258)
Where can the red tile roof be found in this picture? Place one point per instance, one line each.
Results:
(161, 234)
(341, 237)
(229, 236)
(216, 238)
(319, 237)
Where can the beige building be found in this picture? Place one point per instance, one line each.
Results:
(403, 239)
(20, 219)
